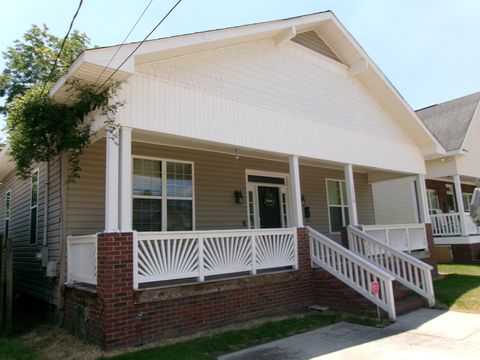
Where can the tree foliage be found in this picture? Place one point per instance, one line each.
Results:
(38, 128)
(29, 61)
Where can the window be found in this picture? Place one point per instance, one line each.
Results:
(162, 195)
(8, 203)
(337, 205)
(467, 199)
(33, 207)
(433, 203)
(452, 204)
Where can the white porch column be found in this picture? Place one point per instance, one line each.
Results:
(422, 199)
(459, 200)
(111, 183)
(295, 193)
(125, 209)
(351, 199)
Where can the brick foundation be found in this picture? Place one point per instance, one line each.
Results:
(466, 253)
(117, 316)
(120, 316)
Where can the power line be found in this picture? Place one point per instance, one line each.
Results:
(123, 42)
(61, 47)
(140, 44)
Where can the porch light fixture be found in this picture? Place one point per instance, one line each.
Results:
(238, 197)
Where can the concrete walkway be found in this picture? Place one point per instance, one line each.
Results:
(422, 334)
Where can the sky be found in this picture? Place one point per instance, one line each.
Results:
(428, 49)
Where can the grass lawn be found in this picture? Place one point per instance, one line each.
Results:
(459, 289)
(15, 350)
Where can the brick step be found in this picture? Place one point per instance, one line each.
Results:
(409, 304)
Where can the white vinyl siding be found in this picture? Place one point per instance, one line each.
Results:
(256, 95)
(395, 201)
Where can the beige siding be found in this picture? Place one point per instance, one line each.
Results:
(395, 201)
(469, 164)
(439, 168)
(312, 41)
(29, 276)
(217, 177)
(86, 197)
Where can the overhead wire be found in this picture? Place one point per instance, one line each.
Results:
(123, 42)
(61, 47)
(140, 44)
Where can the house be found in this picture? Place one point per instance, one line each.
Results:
(450, 181)
(452, 178)
(242, 154)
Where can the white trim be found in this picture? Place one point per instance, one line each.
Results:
(340, 206)
(111, 183)
(282, 189)
(164, 197)
(459, 199)
(422, 199)
(295, 191)
(126, 177)
(351, 197)
(37, 170)
(456, 240)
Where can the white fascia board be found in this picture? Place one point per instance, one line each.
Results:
(154, 50)
(285, 35)
(425, 135)
(72, 70)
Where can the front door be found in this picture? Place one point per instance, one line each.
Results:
(269, 207)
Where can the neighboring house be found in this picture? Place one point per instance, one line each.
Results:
(450, 181)
(242, 154)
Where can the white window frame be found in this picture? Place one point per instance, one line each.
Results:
(432, 191)
(341, 204)
(469, 196)
(283, 189)
(37, 170)
(164, 197)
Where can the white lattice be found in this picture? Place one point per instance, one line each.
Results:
(227, 254)
(162, 259)
(274, 250)
(82, 259)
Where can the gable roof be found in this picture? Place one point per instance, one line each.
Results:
(343, 46)
(449, 121)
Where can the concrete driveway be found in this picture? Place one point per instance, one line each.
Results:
(422, 334)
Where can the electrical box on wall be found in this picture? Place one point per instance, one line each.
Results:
(51, 271)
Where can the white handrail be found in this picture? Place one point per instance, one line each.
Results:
(403, 237)
(196, 255)
(82, 259)
(408, 270)
(353, 270)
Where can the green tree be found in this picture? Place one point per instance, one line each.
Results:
(29, 61)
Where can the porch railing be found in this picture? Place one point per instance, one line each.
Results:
(353, 270)
(408, 270)
(449, 224)
(409, 237)
(82, 259)
(198, 255)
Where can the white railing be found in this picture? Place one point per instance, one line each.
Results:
(353, 270)
(448, 224)
(196, 255)
(408, 270)
(82, 259)
(408, 237)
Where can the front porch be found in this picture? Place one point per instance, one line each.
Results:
(195, 222)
